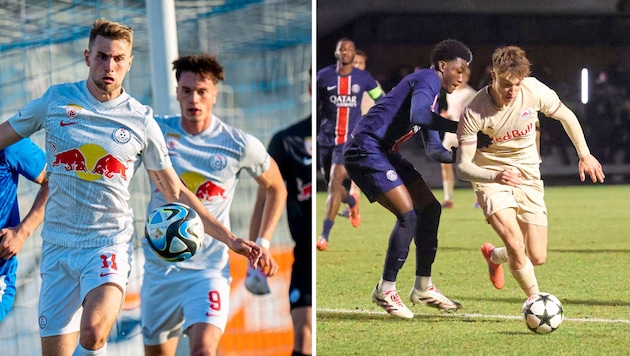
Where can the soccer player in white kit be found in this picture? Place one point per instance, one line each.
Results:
(208, 155)
(506, 174)
(96, 136)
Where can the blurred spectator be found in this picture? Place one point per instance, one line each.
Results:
(360, 61)
(604, 106)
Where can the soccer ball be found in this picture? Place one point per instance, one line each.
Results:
(542, 313)
(174, 232)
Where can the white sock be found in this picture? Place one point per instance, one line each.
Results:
(422, 283)
(82, 351)
(499, 255)
(384, 286)
(526, 278)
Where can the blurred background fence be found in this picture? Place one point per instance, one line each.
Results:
(265, 48)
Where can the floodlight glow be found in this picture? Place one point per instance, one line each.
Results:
(584, 90)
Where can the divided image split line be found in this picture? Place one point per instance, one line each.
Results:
(470, 316)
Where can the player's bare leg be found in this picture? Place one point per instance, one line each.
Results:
(505, 224)
(302, 330)
(166, 349)
(535, 242)
(204, 339)
(353, 211)
(98, 318)
(96, 322)
(336, 193)
(59, 345)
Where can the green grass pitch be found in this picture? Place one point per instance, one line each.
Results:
(587, 268)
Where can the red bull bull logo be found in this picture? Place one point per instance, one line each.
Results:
(209, 191)
(110, 165)
(89, 156)
(72, 160)
(204, 188)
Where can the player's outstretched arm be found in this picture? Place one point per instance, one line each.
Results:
(173, 189)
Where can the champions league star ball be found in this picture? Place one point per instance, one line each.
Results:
(174, 232)
(542, 313)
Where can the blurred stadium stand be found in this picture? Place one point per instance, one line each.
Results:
(560, 40)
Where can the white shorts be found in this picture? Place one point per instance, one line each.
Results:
(527, 199)
(175, 299)
(69, 274)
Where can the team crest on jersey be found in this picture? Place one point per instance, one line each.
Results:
(526, 114)
(121, 135)
(72, 110)
(391, 175)
(43, 322)
(218, 162)
(355, 88)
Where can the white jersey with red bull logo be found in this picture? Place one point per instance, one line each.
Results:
(512, 129)
(92, 150)
(210, 164)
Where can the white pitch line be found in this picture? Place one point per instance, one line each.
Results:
(470, 316)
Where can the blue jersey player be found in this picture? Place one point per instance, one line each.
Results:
(28, 160)
(340, 89)
(384, 175)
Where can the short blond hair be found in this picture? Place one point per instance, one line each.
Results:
(112, 30)
(510, 61)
